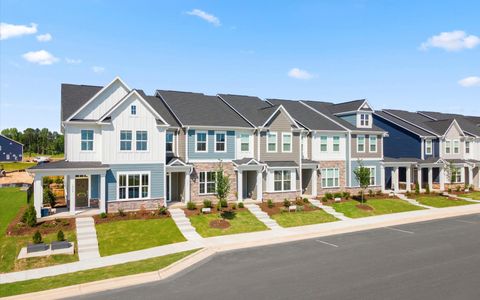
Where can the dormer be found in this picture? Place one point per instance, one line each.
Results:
(357, 112)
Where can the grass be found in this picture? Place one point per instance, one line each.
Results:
(11, 200)
(15, 166)
(380, 207)
(243, 221)
(130, 235)
(291, 219)
(142, 266)
(440, 201)
(472, 195)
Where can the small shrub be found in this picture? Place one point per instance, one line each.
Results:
(191, 205)
(30, 216)
(48, 197)
(346, 195)
(299, 208)
(299, 201)
(103, 215)
(458, 188)
(121, 212)
(337, 195)
(223, 203)
(37, 237)
(241, 205)
(286, 203)
(234, 206)
(207, 203)
(427, 189)
(370, 193)
(417, 189)
(60, 236)
(270, 203)
(329, 196)
(162, 210)
(324, 199)
(305, 200)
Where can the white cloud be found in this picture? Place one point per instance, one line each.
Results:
(299, 74)
(11, 30)
(73, 61)
(205, 16)
(451, 41)
(470, 81)
(41, 57)
(44, 37)
(98, 69)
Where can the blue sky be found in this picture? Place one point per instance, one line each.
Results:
(391, 52)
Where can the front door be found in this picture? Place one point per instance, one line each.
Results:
(81, 192)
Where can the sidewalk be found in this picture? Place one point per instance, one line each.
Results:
(245, 240)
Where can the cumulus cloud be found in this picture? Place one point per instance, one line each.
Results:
(451, 41)
(44, 37)
(11, 30)
(299, 74)
(98, 69)
(470, 81)
(73, 61)
(40, 57)
(205, 16)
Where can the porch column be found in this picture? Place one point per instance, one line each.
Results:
(409, 179)
(38, 194)
(71, 182)
(103, 199)
(397, 177)
(314, 183)
(419, 178)
(442, 178)
(393, 179)
(430, 178)
(66, 188)
(186, 189)
(260, 185)
(382, 178)
(470, 176)
(239, 185)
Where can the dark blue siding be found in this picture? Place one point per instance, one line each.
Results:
(10, 150)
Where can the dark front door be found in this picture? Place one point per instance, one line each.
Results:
(81, 192)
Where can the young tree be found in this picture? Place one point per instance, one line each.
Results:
(223, 184)
(362, 175)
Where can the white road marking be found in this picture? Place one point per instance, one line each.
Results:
(465, 221)
(400, 230)
(333, 245)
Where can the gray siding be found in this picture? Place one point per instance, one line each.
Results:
(352, 119)
(367, 163)
(95, 186)
(211, 154)
(367, 154)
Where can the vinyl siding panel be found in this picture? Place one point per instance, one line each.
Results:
(106, 100)
(95, 186)
(367, 153)
(211, 154)
(367, 163)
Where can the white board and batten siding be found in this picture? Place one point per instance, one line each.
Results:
(73, 141)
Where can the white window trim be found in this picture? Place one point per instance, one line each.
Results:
(374, 175)
(148, 146)
(326, 143)
(173, 142)
(324, 176)
(206, 183)
(276, 141)
(92, 140)
(364, 143)
(206, 141)
(333, 143)
(132, 141)
(368, 119)
(140, 192)
(248, 142)
(136, 111)
(292, 180)
(456, 141)
(291, 141)
(427, 143)
(370, 143)
(215, 144)
(469, 147)
(448, 145)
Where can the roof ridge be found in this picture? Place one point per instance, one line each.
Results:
(88, 85)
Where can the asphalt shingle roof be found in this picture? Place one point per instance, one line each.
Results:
(402, 123)
(157, 104)
(75, 96)
(64, 164)
(254, 109)
(347, 106)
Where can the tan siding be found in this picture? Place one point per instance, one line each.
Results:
(280, 123)
(367, 154)
(180, 139)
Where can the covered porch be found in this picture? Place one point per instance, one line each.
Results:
(309, 177)
(177, 180)
(249, 179)
(84, 188)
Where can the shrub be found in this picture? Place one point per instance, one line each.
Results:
(207, 203)
(324, 199)
(427, 189)
(30, 216)
(234, 206)
(346, 195)
(162, 210)
(59, 180)
(191, 205)
(223, 203)
(37, 237)
(60, 236)
(240, 205)
(417, 189)
(305, 200)
(270, 203)
(48, 197)
(329, 196)
(103, 215)
(299, 208)
(337, 195)
(286, 203)
(121, 212)
(458, 188)
(370, 193)
(299, 201)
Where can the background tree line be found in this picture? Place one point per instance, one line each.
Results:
(41, 141)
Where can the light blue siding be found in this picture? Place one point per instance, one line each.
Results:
(156, 179)
(367, 163)
(352, 119)
(211, 154)
(95, 186)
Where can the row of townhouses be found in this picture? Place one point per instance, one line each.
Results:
(125, 149)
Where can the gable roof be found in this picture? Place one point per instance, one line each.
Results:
(254, 109)
(161, 109)
(349, 106)
(196, 109)
(74, 96)
(405, 125)
(467, 123)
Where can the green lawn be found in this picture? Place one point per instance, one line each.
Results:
(130, 235)
(142, 266)
(380, 207)
(300, 218)
(243, 221)
(472, 195)
(14, 166)
(440, 201)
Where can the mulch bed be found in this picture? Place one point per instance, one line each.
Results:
(17, 227)
(134, 215)
(214, 210)
(220, 224)
(278, 207)
(364, 207)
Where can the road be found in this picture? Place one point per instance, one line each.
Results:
(430, 260)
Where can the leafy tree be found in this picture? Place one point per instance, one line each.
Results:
(37, 141)
(223, 184)
(362, 175)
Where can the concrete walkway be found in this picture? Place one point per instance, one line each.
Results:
(263, 216)
(87, 239)
(413, 201)
(183, 223)
(461, 198)
(329, 210)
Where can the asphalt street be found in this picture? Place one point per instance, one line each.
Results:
(430, 260)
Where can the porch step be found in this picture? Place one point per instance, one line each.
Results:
(412, 201)
(87, 239)
(183, 223)
(263, 216)
(328, 210)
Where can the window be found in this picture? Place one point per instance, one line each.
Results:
(201, 142)
(456, 175)
(360, 143)
(169, 142)
(364, 120)
(330, 177)
(142, 140)
(133, 186)
(244, 142)
(271, 142)
(282, 180)
(208, 182)
(428, 147)
(323, 144)
(286, 142)
(220, 141)
(133, 110)
(373, 143)
(126, 140)
(467, 147)
(372, 175)
(336, 144)
(456, 146)
(448, 147)
(304, 146)
(87, 140)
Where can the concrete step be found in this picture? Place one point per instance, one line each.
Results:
(184, 224)
(87, 241)
(263, 216)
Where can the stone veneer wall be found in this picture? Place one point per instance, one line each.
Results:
(279, 196)
(202, 167)
(113, 206)
(341, 168)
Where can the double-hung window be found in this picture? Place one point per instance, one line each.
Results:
(271, 142)
(133, 110)
(360, 143)
(428, 147)
(323, 144)
(373, 143)
(244, 142)
(282, 180)
(125, 140)
(201, 144)
(220, 142)
(208, 182)
(330, 177)
(364, 120)
(169, 142)
(467, 147)
(448, 147)
(142, 140)
(87, 139)
(133, 186)
(456, 175)
(336, 144)
(286, 142)
(372, 175)
(456, 146)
